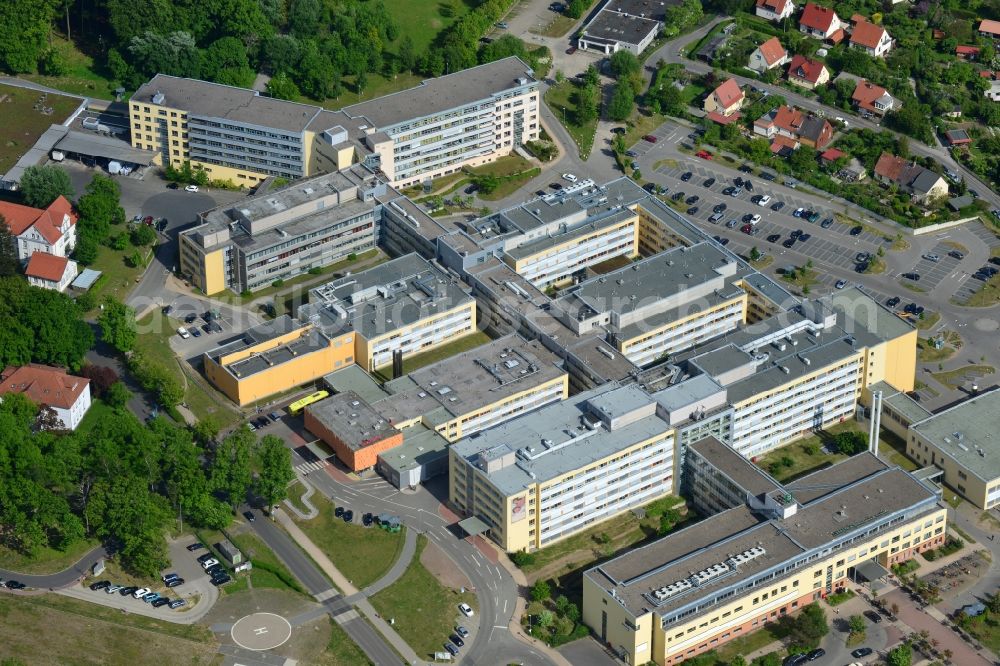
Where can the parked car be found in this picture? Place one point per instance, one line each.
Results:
(141, 592)
(788, 243)
(571, 50)
(777, 205)
(15, 585)
(126, 591)
(209, 563)
(249, 516)
(827, 223)
(152, 596)
(861, 652)
(715, 217)
(748, 185)
(466, 610)
(729, 190)
(162, 601)
(205, 558)
(175, 582)
(100, 585)
(764, 200)
(169, 576)
(113, 588)
(194, 331)
(873, 616)
(338, 512)
(703, 154)
(708, 182)
(767, 175)
(462, 631)
(840, 284)
(177, 603)
(955, 254)
(798, 212)
(732, 223)
(912, 276)
(815, 654)
(693, 210)
(774, 238)
(813, 217)
(856, 231)
(221, 580)
(692, 199)
(892, 302)
(450, 647)
(718, 208)
(804, 237)
(737, 191)
(746, 168)
(348, 516)
(930, 256)
(650, 138)
(721, 241)
(457, 640)
(183, 332)
(686, 176)
(191, 188)
(367, 520)
(570, 177)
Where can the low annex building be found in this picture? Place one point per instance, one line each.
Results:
(49, 271)
(356, 431)
(768, 550)
(629, 25)
(67, 395)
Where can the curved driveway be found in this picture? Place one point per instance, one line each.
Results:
(64, 578)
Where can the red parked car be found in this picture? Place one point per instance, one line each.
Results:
(650, 138)
(703, 154)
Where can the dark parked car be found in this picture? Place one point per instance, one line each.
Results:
(205, 558)
(794, 660)
(190, 318)
(912, 276)
(174, 582)
(813, 217)
(450, 647)
(99, 585)
(709, 182)
(718, 208)
(892, 302)
(856, 231)
(767, 176)
(15, 585)
(693, 210)
(128, 591)
(861, 652)
(274, 416)
(367, 520)
(721, 241)
(827, 223)
(348, 516)
(194, 331)
(795, 234)
(955, 254)
(739, 181)
(777, 205)
(457, 640)
(815, 654)
(162, 601)
(650, 138)
(692, 199)
(729, 190)
(873, 616)
(804, 237)
(748, 185)
(746, 168)
(173, 186)
(221, 580)
(686, 176)
(338, 512)
(788, 243)
(774, 238)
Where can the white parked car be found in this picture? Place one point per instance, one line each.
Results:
(755, 219)
(191, 188)
(183, 332)
(141, 592)
(570, 177)
(466, 610)
(208, 564)
(764, 200)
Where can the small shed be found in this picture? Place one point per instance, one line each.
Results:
(229, 552)
(958, 138)
(958, 203)
(86, 279)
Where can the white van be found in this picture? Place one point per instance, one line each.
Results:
(183, 332)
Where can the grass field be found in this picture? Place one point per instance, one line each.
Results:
(893, 449)
(412, 363)
(929, 321)
(362, 554)
(267, 570)
(51, 629)
(806, 454)
(516, 168)
(22, 124)
(424, 610)
(45, 560)
(340, 651)
(988, 295)
(927, 353)
(562, 102)
(155, 331)
(953, 379)
(82, 76)
(118, 278)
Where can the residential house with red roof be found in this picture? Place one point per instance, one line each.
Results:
(51, 230)
(990, 28)
(819, 22)
(788, 127)
(725, 101)
(768, 55)
(870, 38)
(49, 271)
(774, 10)
(874, 99)
(807, 73)
(923, 185)
(67, 395)
(969, 53)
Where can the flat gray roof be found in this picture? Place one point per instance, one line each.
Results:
(384, 298)
(812, 486)
(472, 380)
(968, 434)
(862, 498)
(614, 27)
(589, 226)
(601, 358)
(443, 93)
(563, 453)
(421, 446)
(353, 378)
(740, 471)
(356, 423)
(900, 403)
(201, 98)
(859, 311)
(97, 145)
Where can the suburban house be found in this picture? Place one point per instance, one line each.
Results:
(49, 271)
(807, 73)
(871, 38)
(723, 103)
(990, 28)
(874, 99)
(51, 230)
(67, 395)
(969, 53)
(957, 138)
(768, 55)
(788, 128)
(774, 10)
(993, 92)
(820, 22)
(921, 184)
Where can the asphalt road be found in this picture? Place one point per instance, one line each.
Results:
(496, 590)
(64, 578)
(316, 584)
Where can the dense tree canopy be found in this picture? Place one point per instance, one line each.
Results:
(40, 325)
(41, 185)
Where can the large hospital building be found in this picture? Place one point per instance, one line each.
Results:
(468, 118)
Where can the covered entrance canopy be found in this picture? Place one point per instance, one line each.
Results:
(96, 145)
(473, 526)
(871, 572)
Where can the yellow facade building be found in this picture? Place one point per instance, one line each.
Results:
(547, 475)
(769, 551)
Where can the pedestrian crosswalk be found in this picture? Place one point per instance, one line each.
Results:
(305, 468)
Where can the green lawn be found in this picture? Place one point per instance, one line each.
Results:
(82, 76)
(362, 554)
(341, 650)
(561, 101)
(22, 124)
(892, 448)
(985, 629)
(295, 491)
(155, 331)
(953, 379)
(52, 629)
(988, 294)
(412, 363)
(268, 570)
(44, 560)
(505, 166)
(929, 320)
(118, 278)
(424, 610)
(98, 410)
(749, 643)
(806, 454)
(423, 20)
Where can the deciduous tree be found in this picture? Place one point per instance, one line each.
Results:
(41, 185)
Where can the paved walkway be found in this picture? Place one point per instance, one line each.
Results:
(317, 555)
(398, 568)
(918, 620)
(311, 511)
(65, 578)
